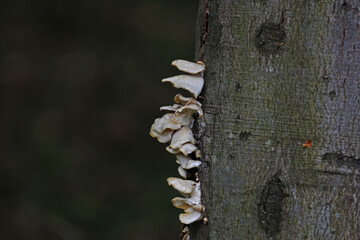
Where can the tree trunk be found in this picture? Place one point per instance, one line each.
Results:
(280, 74)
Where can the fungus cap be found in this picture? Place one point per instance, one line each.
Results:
(190, 216)
(171, 121)
(181, 99)
(172, 151)
(185, 229)
(189, 67)
(185, 203)
(164, 137)
(182, 172)
(198, 153)
(194, 201)
(183, 186)
(187, 148)
(182, 136)
(192, 83)
(173, 108)
(189, 109)
(187, 162)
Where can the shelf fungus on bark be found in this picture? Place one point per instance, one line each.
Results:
(190, 108)
(187, 149)
(183, 186)
(192, 206)
(185, 233)
(187, 162)
(175, 127)
(182, 100)
(192, 83)
(182, 136)
(189, 67)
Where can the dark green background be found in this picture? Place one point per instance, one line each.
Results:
(80, 87)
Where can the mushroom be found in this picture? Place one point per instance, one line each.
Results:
(187, 162)
(192, 83)
(186, 233)
(183, 186)
(189, 109)
(193, 201)
(175, 128)
(171, 121)
(182, 136)
(182, 172)
(198, 153)
(188, 67)
(172, 151)
(185, 203)
(187, 148)
(192, 207)
(173, 108)
(164, 137)
(181, 99)
(190, 216)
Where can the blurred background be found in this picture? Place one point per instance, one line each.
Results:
(80, 85)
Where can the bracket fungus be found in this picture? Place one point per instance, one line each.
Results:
(182, 100)
(192, 83)
(183, 186)
(182, 172)
(182, 136)
(188, 67)
(187, 162)
(187, 148)
(190, 215)
(175, 127)
(186, 234)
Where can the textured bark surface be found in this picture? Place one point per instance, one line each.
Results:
(279, 73)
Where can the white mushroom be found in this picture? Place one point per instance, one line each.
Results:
(183, 186)
(198, 153)
(187, 162)
(173, 108)
(182, 136)
(175, 128)
(172, 151)
(189, 109)
(171, 121)
(193, 101)
(185, 229)
(186, 233)
(188, 67)
(190, 216)
(182, 172)
(164, 137)
(194, 201)
(181, 99)
(185, 203)
(192, 83)
(187, 148)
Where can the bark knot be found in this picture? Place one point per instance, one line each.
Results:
(244, 136)
(340, 160)
(270, 206)
(270, 37)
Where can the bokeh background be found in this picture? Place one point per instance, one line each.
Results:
(80, 86)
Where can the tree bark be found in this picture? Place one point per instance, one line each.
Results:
(280, 74)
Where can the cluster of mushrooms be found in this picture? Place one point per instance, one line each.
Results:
(175, 127)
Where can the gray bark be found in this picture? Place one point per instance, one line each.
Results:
(279, 73)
